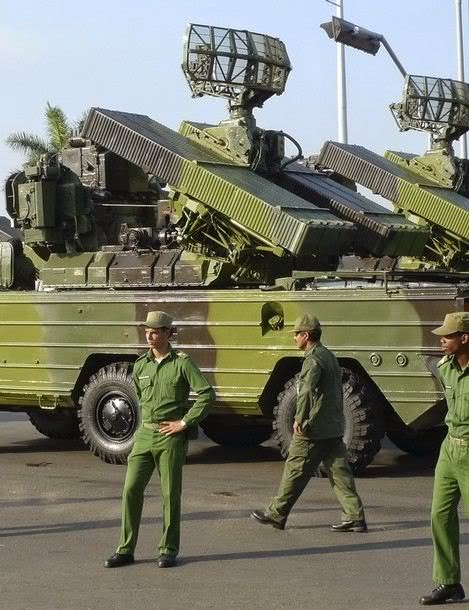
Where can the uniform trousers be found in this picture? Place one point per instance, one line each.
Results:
(451, 482)
(304, 458)
(167, 454)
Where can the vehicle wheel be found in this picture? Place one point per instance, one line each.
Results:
(363, 420)
(108, 414)
(61, 424)
(362, 413)
(237, 435)
(284, 416)
(418, 442)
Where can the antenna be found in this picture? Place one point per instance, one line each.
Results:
(245, 67)
(439, 106)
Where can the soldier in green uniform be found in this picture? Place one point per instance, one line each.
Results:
(317, 435)
(163, 378)
(452, 470)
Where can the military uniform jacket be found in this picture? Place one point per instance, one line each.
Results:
(319, 406)
(455, 382)
(163, 388)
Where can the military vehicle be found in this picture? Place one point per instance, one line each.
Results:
(217, 226)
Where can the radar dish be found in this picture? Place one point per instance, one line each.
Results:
(245, 67)
(436, 105)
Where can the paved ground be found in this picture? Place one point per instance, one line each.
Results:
(60, 518)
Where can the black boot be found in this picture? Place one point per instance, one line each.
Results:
(358, 525)
(442, 594)
(117, 560)
(166, 561)
(265, 519)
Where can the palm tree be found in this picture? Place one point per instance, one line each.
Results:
(59, 130)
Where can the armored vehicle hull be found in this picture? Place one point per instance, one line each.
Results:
(67, 357)
(215, 225)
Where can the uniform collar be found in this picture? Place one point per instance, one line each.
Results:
(309, 351)
(170, 355)
(454, 364)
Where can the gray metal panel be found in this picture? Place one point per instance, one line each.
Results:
(411, 192)
(380, 231)
(365, 167)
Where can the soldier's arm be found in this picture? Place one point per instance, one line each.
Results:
(205, 393)
(307, 383)
(136, 383)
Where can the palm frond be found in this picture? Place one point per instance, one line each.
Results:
(31, 145)
(58, 128)
(80, 122)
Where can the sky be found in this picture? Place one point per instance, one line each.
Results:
(127, 56)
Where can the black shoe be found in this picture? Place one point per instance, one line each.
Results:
(442, 594)
(166, 561)
(357, 525)
(117, 560)
(266, 520)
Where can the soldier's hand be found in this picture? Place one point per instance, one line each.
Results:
(296, 428)
(171, 427)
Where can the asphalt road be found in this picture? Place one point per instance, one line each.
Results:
(60, 509)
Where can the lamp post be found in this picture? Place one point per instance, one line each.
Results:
(341, 82)
(460, 50)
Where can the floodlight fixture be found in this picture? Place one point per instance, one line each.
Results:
(352, 35)
(245, 67)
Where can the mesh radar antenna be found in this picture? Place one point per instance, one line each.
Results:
(439, 106)
(247, 69)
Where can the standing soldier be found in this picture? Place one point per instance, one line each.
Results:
(452, 469)
(163, 378)
(317, 435)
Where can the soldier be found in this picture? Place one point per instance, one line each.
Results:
(452, 470)
(317, 436)
(163, 378)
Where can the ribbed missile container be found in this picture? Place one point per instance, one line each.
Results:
(217, 226)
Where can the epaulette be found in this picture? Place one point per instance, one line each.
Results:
(443, 360)
(182, 354)
(141, 357)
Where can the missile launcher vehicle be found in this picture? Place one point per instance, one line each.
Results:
(216, 225)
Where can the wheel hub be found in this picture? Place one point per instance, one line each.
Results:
(115, 417)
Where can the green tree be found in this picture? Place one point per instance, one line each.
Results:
(59, 130)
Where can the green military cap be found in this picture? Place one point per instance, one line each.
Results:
(306, 323)
(457, 322)
(158, 319)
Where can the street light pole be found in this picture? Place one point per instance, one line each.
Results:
(460, 48)
(341, 84)
(342, 134)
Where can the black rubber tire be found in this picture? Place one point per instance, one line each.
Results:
(363, 421)
(284, 416)
(237, 436)
(60, 424)
(418, 442)
(109, 414)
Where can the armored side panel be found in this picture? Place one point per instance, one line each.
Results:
(48, 338)
(409, 192)
(260, 207)
(66, 270)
